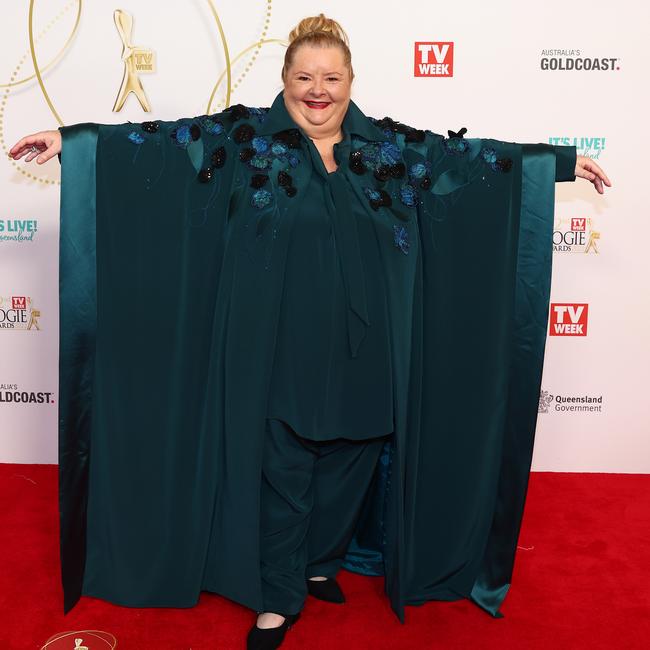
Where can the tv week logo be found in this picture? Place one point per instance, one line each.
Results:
(434, 59)
(569, 319)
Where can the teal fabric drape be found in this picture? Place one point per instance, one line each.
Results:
(170, 294)
(77, 327)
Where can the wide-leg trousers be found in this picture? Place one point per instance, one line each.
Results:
(311, 497)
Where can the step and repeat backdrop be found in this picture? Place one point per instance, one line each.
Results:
(555, 72)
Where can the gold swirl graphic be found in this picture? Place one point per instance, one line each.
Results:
(257, 45)
(35, 62)
(61, 52)
(226, 52)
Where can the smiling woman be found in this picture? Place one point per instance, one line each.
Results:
(317, 75)
(352, 376)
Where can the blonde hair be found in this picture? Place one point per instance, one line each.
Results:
(318, 31)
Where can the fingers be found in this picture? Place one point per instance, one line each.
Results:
(23, 145)
(591, 165)
(594, 167)
(32, 154)
(44, 156)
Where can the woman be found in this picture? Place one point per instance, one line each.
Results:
(350, 281)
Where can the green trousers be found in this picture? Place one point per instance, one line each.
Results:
(311, 497)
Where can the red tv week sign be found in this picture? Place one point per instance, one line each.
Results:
(434, 59)
(569, 319)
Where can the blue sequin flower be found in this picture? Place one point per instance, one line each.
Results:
(260, 162)
(279, 148)
(408, 195)
(455, 146)
(260, 144)
(211, 125)
(389, 153)
(489, 155)
(377, 154)
(261, 198)
(135, 137)
(259, 113)
(401, 238)
(497, 164)
(372, 194)
(182, 135)
(419, 170)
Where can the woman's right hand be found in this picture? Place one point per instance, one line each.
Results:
(47, 145)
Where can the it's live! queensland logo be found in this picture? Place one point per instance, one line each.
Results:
(434, 59)
(18, 230)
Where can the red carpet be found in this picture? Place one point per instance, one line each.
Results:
(582, 580)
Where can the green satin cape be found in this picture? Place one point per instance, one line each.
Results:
(169, 293)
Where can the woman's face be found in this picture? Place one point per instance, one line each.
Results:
(317, 89)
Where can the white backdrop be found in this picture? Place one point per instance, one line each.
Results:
(500, 88)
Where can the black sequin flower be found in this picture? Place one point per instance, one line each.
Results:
(246, 154)
(243, 133)
(150, 127)
(290, 137)
(382, 173)
(218, 157)
(206, 174)
(504, 164)
(356, 162)
(414, 135)
(258, 180)
(239, 112)
(284, 179)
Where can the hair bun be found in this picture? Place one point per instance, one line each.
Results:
(318, 23)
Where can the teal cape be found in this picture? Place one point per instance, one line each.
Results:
(172, 251)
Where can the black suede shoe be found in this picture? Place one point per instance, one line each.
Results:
(271, 637)
(327, 589)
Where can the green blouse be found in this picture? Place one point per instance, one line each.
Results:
(326, 382)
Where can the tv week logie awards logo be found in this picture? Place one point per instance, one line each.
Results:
(575, 235)
(434, 59)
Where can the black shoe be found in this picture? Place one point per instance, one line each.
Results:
(327, 589)
(271, 637)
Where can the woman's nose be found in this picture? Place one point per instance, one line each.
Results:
(317, 88)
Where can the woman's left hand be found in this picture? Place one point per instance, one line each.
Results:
(587, 168)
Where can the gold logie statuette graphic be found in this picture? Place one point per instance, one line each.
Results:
(136, 60)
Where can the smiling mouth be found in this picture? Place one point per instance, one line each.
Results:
(317, 105)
